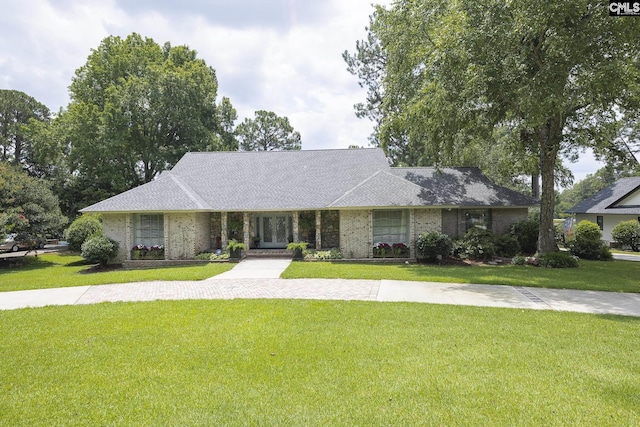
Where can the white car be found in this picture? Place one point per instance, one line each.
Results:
(9, 244)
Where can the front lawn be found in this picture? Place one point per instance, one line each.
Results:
(57, 270)
(276, 362)
(617, 276)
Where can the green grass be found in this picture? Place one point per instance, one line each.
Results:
(617, 276)
(275, 362)
(56, 270)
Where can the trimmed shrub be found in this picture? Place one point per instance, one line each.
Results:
(558, 260)
(507, 245)
(605, 253)
(477, 244)
(312, 254)
(526, 232)
(100, 249)
(433, 244)
(81, 229)
(212, 256)
(587, 243)
(627, 233)
(558, 230)
(519, 260)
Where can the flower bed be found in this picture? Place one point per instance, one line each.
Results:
(395, 250)
(142, 252)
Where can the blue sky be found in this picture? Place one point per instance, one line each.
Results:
(277, 55)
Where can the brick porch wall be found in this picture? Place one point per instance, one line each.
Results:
(355, 234)
(424, 221)
(186, 234)
(202, 232)
(115, 227)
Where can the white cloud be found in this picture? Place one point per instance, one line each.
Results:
(284, 55)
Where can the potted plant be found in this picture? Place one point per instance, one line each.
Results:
(235, 249)
(381, 250)
(138, 252)
(256, 241)
(297, 248)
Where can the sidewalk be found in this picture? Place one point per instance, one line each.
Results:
(259, 279)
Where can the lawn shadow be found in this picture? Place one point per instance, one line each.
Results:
(23, 263)
(619, 318)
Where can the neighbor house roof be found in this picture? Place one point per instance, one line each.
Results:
(618, 198)
(297, 180)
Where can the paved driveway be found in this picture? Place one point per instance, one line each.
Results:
(259, 279)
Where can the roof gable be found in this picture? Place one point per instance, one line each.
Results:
(164, 194)
(382, 189)
(621, 197)
(631, 200)
(461, 187)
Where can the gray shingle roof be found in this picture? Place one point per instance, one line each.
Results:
(604, 201)
(461, 187)
(296, 180)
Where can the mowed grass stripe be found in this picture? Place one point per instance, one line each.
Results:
(257, 362)
(615, 276)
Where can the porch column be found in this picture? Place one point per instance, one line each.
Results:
(318, 228)
(412, 232)
(224, 236)
(371, 242)
(167, 231)
(129, 234)
(246, 218)
(295, 231)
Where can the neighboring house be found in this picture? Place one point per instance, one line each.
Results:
(346, 199)
(616, 203)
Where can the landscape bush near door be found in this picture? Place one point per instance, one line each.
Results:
(477, 244)
(433, 245)
(526, 232)
(100, 249)
(627, 233)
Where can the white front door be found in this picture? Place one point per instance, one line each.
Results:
(274, 230)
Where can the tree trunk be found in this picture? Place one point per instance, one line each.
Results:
(549, 135)
(535, 185)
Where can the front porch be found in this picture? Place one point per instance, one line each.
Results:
(357, 234)
(275, 230)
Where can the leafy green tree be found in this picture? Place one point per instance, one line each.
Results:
(226, 138)
(27, 206)
(16, 110)
(559, 77)
(267, 132)
(136, 108)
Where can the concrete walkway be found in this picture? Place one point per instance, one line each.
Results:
(256, 268)
(259, 279)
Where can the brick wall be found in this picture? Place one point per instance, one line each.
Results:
(115, 227)
(216, 230)
(202, 236)
(449, 220)
(180, 235)
(424, 220)
(501, 219)
(355, 234)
